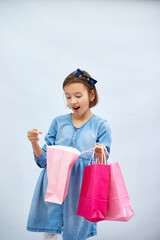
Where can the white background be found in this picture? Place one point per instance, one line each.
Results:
(118, 43)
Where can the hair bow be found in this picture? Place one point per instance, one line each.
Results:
(90, 80)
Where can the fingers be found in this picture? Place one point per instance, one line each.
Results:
(99, 153)
(98, 149)
(33, 135)
(101, 161)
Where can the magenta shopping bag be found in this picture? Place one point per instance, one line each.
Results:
(60, 160)
(94, 193)
(119, 205)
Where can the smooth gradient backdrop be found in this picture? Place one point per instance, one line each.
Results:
(118, 43)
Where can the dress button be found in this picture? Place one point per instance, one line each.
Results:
(76, 129)
(71, 144)
(62, 214)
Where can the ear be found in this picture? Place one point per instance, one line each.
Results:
(92, 96)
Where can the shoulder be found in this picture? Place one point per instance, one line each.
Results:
(101, 123)
(104, 132)
(60, 120)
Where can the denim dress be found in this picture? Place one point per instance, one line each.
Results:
(55, 218)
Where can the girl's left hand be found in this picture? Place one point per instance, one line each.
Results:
(98, 153)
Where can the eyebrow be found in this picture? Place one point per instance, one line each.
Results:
(75, 93)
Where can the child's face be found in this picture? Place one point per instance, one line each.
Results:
(77, 98)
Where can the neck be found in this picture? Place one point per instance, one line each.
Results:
(83, 117)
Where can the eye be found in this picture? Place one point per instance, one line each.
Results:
(78, 96)
(68, 97)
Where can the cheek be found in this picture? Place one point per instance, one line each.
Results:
(68, 102)
(85, 101)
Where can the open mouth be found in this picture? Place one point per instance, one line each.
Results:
(76, 108)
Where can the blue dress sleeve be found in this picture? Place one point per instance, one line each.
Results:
(50, 140)
(104, 135)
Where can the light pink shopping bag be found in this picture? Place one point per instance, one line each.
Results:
(119, 205)
(60, 160)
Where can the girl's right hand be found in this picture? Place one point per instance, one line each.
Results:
(33, 135)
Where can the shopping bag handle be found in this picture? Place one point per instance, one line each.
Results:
(89, 150)
(104, 159)
(104, 155)
(40, 136)
(94, 159)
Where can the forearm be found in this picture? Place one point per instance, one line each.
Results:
(36, 149)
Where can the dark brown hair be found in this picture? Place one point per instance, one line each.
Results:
(72, 79)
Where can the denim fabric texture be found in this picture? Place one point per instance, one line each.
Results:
(63, 219)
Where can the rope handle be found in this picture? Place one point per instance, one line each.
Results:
(89, 150)
(104, 159)
(40, 136)
(94, 158)
(108, 155)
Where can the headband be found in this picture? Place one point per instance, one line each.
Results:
(90, 80)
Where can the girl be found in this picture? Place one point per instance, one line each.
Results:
(82, 130)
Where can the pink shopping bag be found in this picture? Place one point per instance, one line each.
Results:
(119, 205)
(94, 193)
(60, 160)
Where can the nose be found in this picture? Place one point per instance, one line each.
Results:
(73, 100)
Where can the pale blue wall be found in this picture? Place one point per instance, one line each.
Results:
(118, 43)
